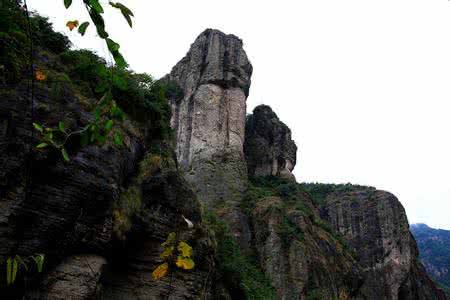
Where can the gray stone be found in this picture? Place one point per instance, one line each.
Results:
(209, 119)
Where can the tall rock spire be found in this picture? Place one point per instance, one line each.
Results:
(209, 116)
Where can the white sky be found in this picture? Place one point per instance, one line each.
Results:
(363, 85)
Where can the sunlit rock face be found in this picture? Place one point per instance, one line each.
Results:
(269, 148)
(209, 115)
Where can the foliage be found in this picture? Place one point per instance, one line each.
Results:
(116, 89)
(175, 253)
(239, 272)
(434, 251)
(106, 111)
(317, 294)
(319, 191)
(14, 263)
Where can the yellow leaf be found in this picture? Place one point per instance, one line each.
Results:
(167, 252)
(160, 271)
(72, 24)
(40, 75)
(185, 249)
(171, 238)
(185, 263)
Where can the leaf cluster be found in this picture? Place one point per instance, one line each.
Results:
(175, 253)
(13, 265)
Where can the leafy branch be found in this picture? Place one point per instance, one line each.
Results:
(106, 110)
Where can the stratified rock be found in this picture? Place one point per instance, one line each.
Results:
(209, 117)
(269, 148)
(108, 205)
(76, 278)
(375, 224)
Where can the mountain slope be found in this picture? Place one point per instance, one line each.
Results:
(102, 216)
(434, 246)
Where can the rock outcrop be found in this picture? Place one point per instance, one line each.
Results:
(209, 116)
(375, 224)
(269, 148)
(100, 218)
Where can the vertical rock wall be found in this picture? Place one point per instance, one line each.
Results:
(209, 116)
(376, 225)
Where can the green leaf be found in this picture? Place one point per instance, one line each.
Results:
(120, 61)
(126, 12)
(8, 270)
(99, 23)
(41, 145)
(128, 18)
(65, 154)
(14, 270)
(112, 46)
(67, 3)
(39, 260)
(96, 6)
(83, 27)
(38, 127)
(62, 126)
(109, 125)
(118, 140)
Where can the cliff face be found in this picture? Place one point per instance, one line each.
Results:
(100, 219)
(375, 224)
(367, 250)
(269, 148)
(209, 116)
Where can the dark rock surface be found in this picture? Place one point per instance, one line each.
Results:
(375, 224)
(269, 148)
(96, 218)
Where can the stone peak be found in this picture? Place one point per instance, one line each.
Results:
(210, 32)
(266, 110)
(216, 58)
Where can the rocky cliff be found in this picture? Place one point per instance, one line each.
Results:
(209, 116)
(269, 148)
(102, 217)
(375, 224)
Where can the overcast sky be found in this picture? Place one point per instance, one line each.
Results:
(363, 85)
